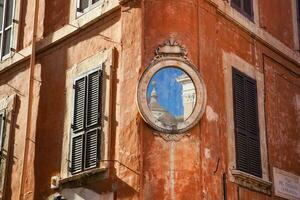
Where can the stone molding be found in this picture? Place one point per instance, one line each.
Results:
(252, 182)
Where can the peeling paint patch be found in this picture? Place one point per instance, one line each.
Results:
(207, 153)
(172, 171)
(211, 115)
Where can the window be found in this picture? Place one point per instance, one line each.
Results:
(86, 5)
(86, 127)
(244, 6)
(298, 20)
(6, 24)
(246, 128)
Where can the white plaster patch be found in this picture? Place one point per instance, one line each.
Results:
(82, 194)
(211, 115)
(172, 171)
(207, 153)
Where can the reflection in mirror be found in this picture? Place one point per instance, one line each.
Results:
(171, 96)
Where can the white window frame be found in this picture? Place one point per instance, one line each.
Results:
(14, 31)
(263, 184)
(91, 6)
(97, 10)
(85, 67)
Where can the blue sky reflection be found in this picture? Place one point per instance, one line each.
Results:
(169, 91)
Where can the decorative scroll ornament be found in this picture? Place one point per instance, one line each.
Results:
(171, 93)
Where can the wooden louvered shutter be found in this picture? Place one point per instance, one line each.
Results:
(237, 3)
(86, 122)
(93, 116)
(248, 7)
(94, 100)
(78, 125)
(92, 148)
(248, 157)
(79, 104)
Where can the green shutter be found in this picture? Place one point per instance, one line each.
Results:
(248, 158)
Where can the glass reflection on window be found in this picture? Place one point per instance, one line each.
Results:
(171, 96)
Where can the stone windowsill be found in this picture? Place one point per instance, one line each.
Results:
(83, 177)
(252, 182)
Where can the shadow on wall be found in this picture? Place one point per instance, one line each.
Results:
(53, 22)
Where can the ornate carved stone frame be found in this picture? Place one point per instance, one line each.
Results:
(175, 55)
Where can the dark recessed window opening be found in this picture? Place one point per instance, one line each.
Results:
(246, 124)
(244, 6)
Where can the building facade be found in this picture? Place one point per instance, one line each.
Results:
(70, 126)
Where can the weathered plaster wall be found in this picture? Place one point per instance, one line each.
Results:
(283, 92)
(191, 168)
(203, 155)
(15, 82)
(171, 169)
(26, 22)
(276, 17)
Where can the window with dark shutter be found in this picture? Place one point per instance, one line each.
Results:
(86, 126)
(247, 140)
(244, 6)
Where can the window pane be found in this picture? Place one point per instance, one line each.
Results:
(94, 1)
(84, 4)
(248, 7)
(1, 12)
(236, 3)
(298, 10)
(6, 40)
(9, 10)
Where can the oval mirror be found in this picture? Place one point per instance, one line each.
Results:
(171, 96)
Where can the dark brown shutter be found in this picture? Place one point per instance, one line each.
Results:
(94, 100)
(252, 127)
(92, 148)
(248, 7)
(237, 3)
(77, 153)
(86, 122)
(79, 104)
(248, 157)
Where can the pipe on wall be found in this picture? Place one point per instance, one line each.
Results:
(30, 134)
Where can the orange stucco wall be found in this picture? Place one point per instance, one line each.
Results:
(152, 168)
